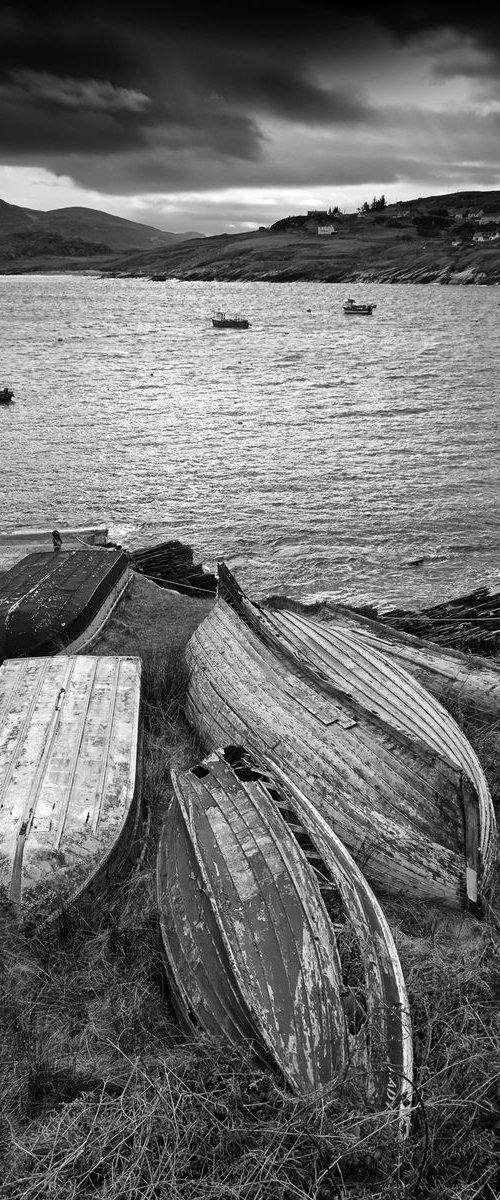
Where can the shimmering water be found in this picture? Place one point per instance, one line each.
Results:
(316, 453)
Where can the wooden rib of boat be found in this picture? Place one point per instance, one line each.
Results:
(51, 603)
(278, 945)
(339, 661)
(397, 805)
(69, 777)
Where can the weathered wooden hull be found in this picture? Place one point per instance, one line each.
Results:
(69, 776)
(340, 662)
(51, 603)
(251, 948)
(465, 681)
(396, 806)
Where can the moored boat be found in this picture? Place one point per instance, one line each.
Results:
(59, 602)
(364, 310)
(396, 803)
(275, 944)
(222, 320)
(6, 395)
(69, 777)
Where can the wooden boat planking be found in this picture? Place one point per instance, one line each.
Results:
(339, 662)
(51, 603)
(251, 948)
(69, 777)
(396, 806)
(467, 681)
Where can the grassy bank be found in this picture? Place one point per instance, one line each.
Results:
(105, 1098)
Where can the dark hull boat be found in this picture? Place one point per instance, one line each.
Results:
(54, 602)
(410, 817)
(69, 777)
(278, 945)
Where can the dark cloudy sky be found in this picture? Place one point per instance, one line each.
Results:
(231, 116)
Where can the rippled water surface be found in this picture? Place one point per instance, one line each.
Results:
(316, 453)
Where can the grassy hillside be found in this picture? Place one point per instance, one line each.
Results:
(103, 1096)
(28, 228)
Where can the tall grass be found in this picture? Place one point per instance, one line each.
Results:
(103, 1097)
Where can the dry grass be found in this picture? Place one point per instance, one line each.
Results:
(103, 1098)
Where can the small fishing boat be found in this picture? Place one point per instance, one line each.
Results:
(363, 310)
(273, 937)
(222, 320)
(6, 395)
(406, 809)
(52, 603)
(69, 778)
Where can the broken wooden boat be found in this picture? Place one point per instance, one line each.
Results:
(410, 817)
(273, 937)
(69, 777)
(470, 622)
(338, 661)
(464, 682)
(52, 603)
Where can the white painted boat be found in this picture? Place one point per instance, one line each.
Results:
(273, 937)
(395, 803)
(91, 535)
(69, 777)
(341, 662)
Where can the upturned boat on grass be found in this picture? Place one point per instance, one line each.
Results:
(59, 602)
(468, 682)
(272, 935)
(69, 778)
(396, 803)
(339, 661)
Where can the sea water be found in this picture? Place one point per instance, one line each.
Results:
(318, 454)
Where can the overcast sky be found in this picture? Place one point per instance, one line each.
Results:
(233, 116)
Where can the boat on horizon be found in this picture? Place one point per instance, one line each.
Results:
(6, 395)
(272, 936)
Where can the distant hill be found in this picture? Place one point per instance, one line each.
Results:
(450, 239)
(113, 234)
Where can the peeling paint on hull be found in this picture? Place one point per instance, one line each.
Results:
(393, 802)
(251, 949)
(69, 776)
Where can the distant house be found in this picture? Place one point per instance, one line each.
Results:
(492, 219)
(485, 237)
(326, 230)
(318, 213)
(477, 213)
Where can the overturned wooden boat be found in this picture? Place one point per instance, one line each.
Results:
(339, 661)
(469, 683)
(272, 935)
(410, 817)
(52, 603)
(69, 777)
